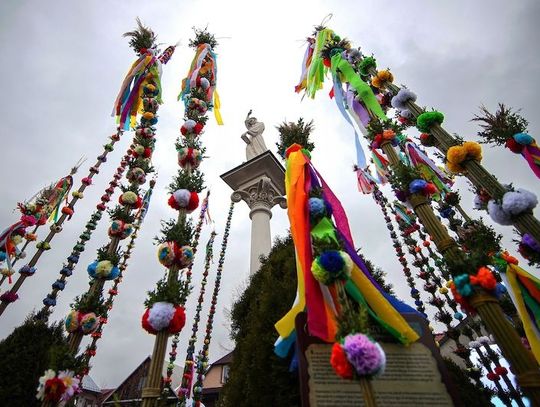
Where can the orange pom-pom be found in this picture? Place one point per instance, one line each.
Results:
(382, 79)
(484, 278)
(455, 168)
(388, 134)
(456, 154)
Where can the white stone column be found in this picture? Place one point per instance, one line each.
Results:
(260, 198)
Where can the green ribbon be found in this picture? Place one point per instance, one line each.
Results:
(362, 88)
(355, 293)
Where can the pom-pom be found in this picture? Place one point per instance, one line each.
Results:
(184, 256)
(128, 198)
(494, 377)
(89, 323)
(427, 120)
(365, 356)
(189, 158)
(473, 149)
(9, 297)
(340, 363)
(178, 320)
(203, 82)
(180, 199)
(417, 186)
(399, 101)
(103, 269)
(501, 370)
(498, 214)
(166, 254)
(158, 317)
(382, 79)
(516, 202)
(523, 138)
(530, 242)
(136, 175)
(71, 322)
(514, 146)
(317, 208)
(463, 285)
(484, 278)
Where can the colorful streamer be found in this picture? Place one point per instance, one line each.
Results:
(319, 300)
(531, 153)
(524, 290)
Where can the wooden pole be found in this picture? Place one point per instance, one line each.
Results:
(367, 391)
(487, 306)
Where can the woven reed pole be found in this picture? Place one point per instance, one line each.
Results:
(487, 306)
(475, 172)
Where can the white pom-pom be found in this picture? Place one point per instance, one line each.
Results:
(403, 96)
(182, 197)
(406, 113)
(484, 340)
(474, 344)
(190, 124)
(478, 203)
(519, 201)
(160, 315)
(498, 214)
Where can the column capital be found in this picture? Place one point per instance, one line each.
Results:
(260, 196)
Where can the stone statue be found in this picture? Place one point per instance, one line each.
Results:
(253, 137)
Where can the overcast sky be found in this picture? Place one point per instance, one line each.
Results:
(63, 63)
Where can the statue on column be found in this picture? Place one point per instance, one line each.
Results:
(253, 137)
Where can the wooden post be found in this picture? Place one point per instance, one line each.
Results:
(487, 306)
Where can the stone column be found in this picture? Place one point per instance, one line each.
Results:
(261, 198)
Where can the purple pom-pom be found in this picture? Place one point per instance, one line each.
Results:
(403, 96)
(498, 214)
(518, 201)
(9, 297)
(365, 356)
(529, 241)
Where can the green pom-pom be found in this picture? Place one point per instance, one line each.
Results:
(427, 120)
(319, 273)
(366, 65)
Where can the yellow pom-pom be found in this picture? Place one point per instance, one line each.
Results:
(443, 290)
(455, 168)
(473, 149)
(148, 115)
(456, 154)
(382, 79)
(449, 283)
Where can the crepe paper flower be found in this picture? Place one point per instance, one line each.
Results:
(71, 383)
(340, 363)
(427, 120)
(366, 356)
(49, 374)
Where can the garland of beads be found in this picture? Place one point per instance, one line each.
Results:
(381, 200)
(71, 262)
(194, 245)
(91, 349)
(67, 213)
(187, 376)
(202, 358)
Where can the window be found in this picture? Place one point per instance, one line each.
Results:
(225, 373)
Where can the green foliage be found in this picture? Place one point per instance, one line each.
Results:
(142, 163)
(427, 120)
(377, 126)
(26, 353)
(402, 175)
(103, 254)
(500, 126)
(470, 394)
(290, 133)
(174, 292)
(476, 236)
(174, 231)
(258, 377)
(122, 213)
(193, 181)
(90, 302)
(378, 274)
(141, 38)
(203, 37)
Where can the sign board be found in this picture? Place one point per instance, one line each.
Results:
(415, 375)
